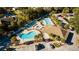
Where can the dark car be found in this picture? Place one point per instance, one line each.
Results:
(69, 38)
(39, 47)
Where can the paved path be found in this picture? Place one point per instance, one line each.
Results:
(48, 48)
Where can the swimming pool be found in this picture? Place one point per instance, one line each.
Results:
(47, 21)
(28, 36)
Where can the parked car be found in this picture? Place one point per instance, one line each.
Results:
(39, 47)
(70, 37)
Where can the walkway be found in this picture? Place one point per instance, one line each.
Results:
(48, 48)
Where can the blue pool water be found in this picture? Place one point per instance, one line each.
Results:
(47, 21)
(29, 35)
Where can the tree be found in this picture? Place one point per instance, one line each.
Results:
(21, 15)
(74, 22)
(32, 13)
(65, 11)
(76, 11)
(52, 12)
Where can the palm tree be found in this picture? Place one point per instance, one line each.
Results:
(39, 37)
(53, 37)
(14, 40)
(74, 22)
(52, 12)
(58, 38)
(66, 26)
(65, 11)
(36, 38)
